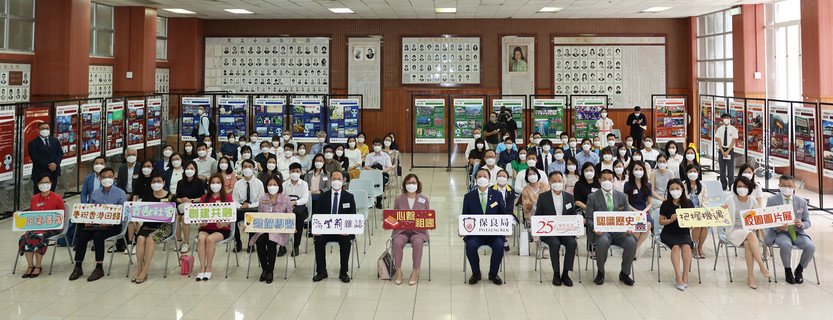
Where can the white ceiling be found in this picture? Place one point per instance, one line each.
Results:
(424, 9)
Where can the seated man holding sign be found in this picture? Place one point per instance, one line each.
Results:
(107, 194)
(557, 202)
(334, 201)
(484, 200)
(794, 234)
(607, 199)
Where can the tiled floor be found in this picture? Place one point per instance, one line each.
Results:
(444, 297)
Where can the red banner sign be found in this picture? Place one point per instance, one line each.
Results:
(409, 220)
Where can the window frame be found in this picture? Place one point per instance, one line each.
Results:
(7, 18)
(707, 36)
(773, 56)
(95, 29)
(163, 37)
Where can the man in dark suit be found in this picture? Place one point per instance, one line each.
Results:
(46, 154)
(484, 200)
(557, 203)
(546, 157)
(334, 201)
(607, 199)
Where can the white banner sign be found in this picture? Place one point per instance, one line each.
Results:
(769, 217)
(620, 221)
(544, 226)
(486, 225)
(337, 224)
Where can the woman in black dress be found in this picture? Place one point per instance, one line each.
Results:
(151, 233)
(676, 238)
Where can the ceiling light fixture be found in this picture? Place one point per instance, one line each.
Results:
(445, 10)
(655, 9)
(239, 11)
(341, 10)
(549, 9)
(180, 11)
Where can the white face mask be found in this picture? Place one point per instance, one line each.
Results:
(787, 191)
(202, 153)
(189, 148)
(557, 186)
(147, 171)
(585, 147)
(351, 144)
(571, 168)
(692, 176)
(662, 165)
(156, 186)
(232, 141)
(590, 175)
(501, 181)
(607, 157)
(253, 139)
(611, 143)
(167, 153)
(476, 136)
(531, 163)
(623, 152)
(672, 152)
(597, 143)
(377, 148)
(388, 143)
(479, 146)
(321, 140)
(176, 163)
(536, 141)
(648, 144)
(264, 150)
(44, 187)
(676, 194)
(629, 143)
(482, 182)
(336, 185)
(189, 173)
(638, 173)
(522, 157)
(411, 187)
(208, 144)
(44, 133)
(276, 143)
(727, 121)
(507, 146)
(743, 192)
(215, 187)
(97, 167)
(559, 156)
(637, 158)
(619, 170)
(546, 148)
(748, 175)
(533, 178)
(294, 176)
(273, 189)
(247, 156)
(286, 138)
(223, 166)
(248, 172)
(319, 165)
(490, 161)
(328, 155)
(131, 159)
(287, 154)
(302, 151)
(107, 182)
(360, 140)
(607, 185)
(603, 114)
(690, 157)
(573, 144)
(339, 153)
(271, 166)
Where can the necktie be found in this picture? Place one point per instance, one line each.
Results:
(483, 202)
(791, 228)
(726, 136)
(609, 200)
(249, 192)
(335, 204)
(46, 142)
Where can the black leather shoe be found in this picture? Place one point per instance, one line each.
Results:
(556, 281)
(567, 281)
(799, 275)
(269, 278)
(344, 278)
(474, 278)
(282, 251)
(97, 274)
(239, 248)
(319, 277)
(626, 279)
(296, 252)
(76, 273)
(496, 280)
(600, 278)
(262, 276)
(789, 275)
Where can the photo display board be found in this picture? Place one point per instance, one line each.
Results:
(587, 112)
(14, 82)
(516, 106)
(736, 112)
(269, 113)
(154, 125)
(468, 115)
(779, 131)
(90, 130)
(66, 130)
(190, 116)
(364, 70)
(827, 140)
(430, 121)
(307, 119)
(232, 118)
(670, 119)
(115, 128)
(7, 142)
(136, 124)
(548, 116)
(268, 65)
(344, 119)
(100, 81)
(32, 118)
(707, 126)
(755, 141)
(441, 60)
(805, 136)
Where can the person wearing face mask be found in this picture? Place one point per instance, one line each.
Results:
(188, 190)
(334, 201)
(508, 194)
(254, 143)
(535, 186)
(604, 125)
(519, 164)
(491, 132)
(230, 148)
(725, 137)
(611, 143)
(674, 158)
(298, 192)
(107, 194)
(379, 160)
(623, 155)
(791, 234)
(263, 157)
(151, 233)
(571, 175)
(210, 233)
(507, 143)
(203, 124)
(287, 159)
(637, 122)
(531, 162)
(619, 176)
(475, 156)
(649, 153)
(490, 164)
(387, 147)
(606, 161)
(205, 164)
(304, 158)
(507, 152)
(410, 199)
(484, 200)
(393, 144)
(672, 235)
(274, 201)
(360, 139)
(587, 184)
(142, 182)
(330, 164)
(639, 191)
(472, 144)
(245, 154)
(557, 202)
(696, 191)
(354, 157)
(659, 179)
(46, 154)
(689, 159)
(564, 141)
(33, 244)
(571, 149)
(607, 199)
(317, 178)
(738, 235)
(164, 164)
(286, 139)
(93, 180)
(757, 192)
(322, 141)
(125, 180)
(587, 155)
(534, 146)
(546, 156)
(559, 164)
(345, 162)
(247, 192)
(189, 153)
(597, 145)
(229, 178)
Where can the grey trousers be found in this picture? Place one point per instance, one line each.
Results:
(626, 242)
(803, 242)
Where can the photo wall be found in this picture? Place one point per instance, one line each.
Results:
(587, 112)
(827, 140)
(154, 124)
(190, 116)
(364, 70)
(136, 123)
(468, 115)
(307, 119)
(548, 116)
(269, 113)
(15, 82)
(100, 81)
(232, 118)
(804, 117)
(707, 126)
(343, 119)
(518, 65)
(779, 133)
(430, 121)
(33, 116)
(268, 65)
(755, 131)
(516, 105)
(670, 119)
(66, 131)
(441, 60)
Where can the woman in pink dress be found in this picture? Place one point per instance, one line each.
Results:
(410, 199)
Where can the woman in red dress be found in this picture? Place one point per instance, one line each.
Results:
(33, 243)
(211, 233)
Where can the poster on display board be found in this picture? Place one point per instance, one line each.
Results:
(115, 128)
(269, 117)
(90, 131)
(779, 134)
(549, 116)
(516, 106)
(344, 119)
(154, 125)
(191, 117)
(706, 126)
(306, 119)
(66, 130)
(736, 112)
(827, 141)
(468, 115)
(430, 121)
(136, 124)
(805, 137)
(7, 143)
(364, 69)
(755, 142)
(232, 118)
(32, 118)
(670, 119)
(587, 110)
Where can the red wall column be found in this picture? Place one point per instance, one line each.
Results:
(62, 44)
(749, 51)
(817, 49)
(134, 50)
(186, 47)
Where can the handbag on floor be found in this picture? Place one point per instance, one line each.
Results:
(384, 265)
(186, 263)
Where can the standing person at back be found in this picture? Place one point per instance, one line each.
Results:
(491, 132)
(204, 123)
(726, 135)
(638, 123)
(46, 154)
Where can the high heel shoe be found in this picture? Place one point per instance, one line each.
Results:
(397, 277)
(414, 279)
(35, 275)
(28, 272)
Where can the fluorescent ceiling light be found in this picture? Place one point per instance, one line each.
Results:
(446, 10)
(341, 10)
(655, 9)
(550, 9)
(239, 11)
(181, 11)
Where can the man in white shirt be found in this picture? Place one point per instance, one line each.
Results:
(287, 159)
(725, 136)
(558, 202)
(247, 192)
(381, 161)
(298, 192)
(206, 165)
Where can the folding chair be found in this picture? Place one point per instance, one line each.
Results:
(591, 255)
(424, 244)
(539, 260)
(361, 199)
(289, 244)
(164, 247)
(726, 244)
(794, 248)
(306, 224)
(353, 257)
(378, 180)
(54, 244)
(658, 246)
(169, 239)
(366, 185)
(714, 197)
(122, 235)
(465, 260)
(229, 246)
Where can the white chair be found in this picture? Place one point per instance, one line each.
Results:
(289, 244)
(361, 199)
(465, 264)
(794, 249)
(724, 242)
(656, 253)
(539, 259)
(353, 257)
(376, 177)
(366, 185)
(53, 242)
(426, 244)
(122, 235)
(164, 248)
(307, 226)
(229, 247)
(170, 239)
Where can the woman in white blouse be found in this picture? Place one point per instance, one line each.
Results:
(354, 157)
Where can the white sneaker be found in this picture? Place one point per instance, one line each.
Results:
(184, 248)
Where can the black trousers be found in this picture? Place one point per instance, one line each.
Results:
(321, 253)
(555, 244)
(637, 139)
(266, 252)
(97, 235)
(300, 215)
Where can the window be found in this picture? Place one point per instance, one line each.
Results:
(783, 50)
(101, 30)
(17, 29)
(714, 54)
(161, 38)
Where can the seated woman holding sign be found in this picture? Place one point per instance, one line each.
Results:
(211, 233)
(151, 233)
(557, 203)
(738, 235)
(274, 202)
(672, 235)
(410, 199)
(484, 200)
(33, 243)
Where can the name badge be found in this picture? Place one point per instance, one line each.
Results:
(568, 206)
(345, 206)
(635, 191)
(324, 178)
(494, 204)
(421, 200)
(135, 176)
(594, 190)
